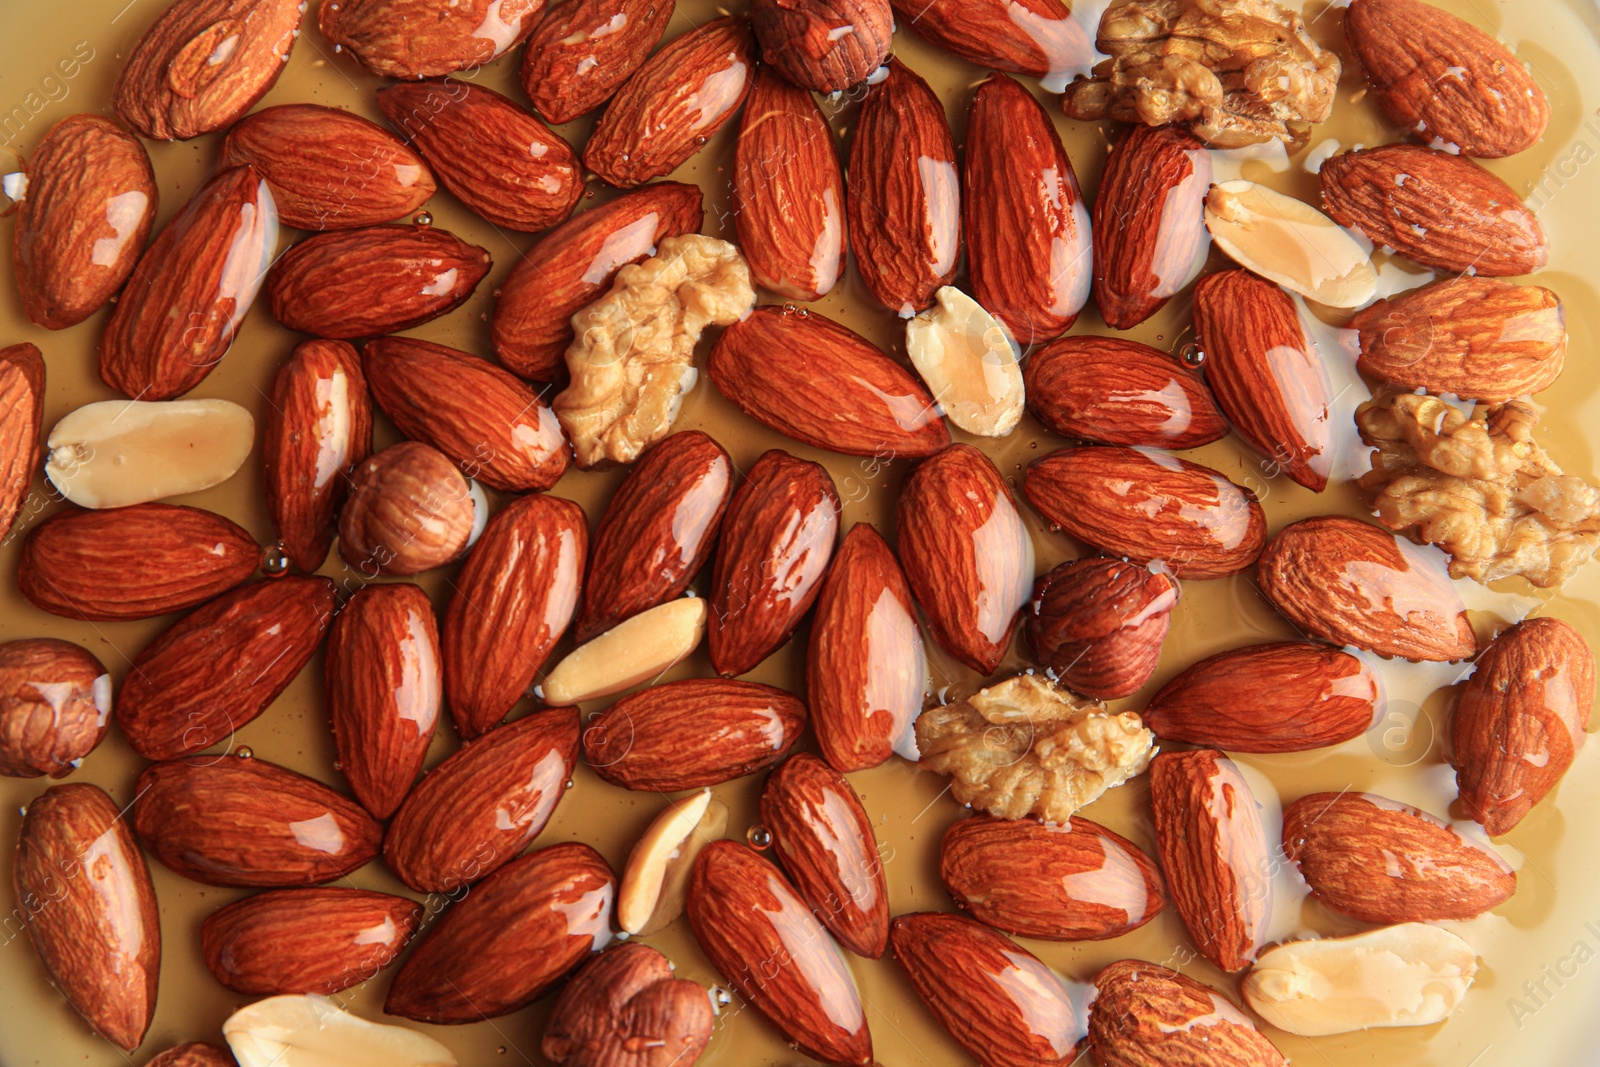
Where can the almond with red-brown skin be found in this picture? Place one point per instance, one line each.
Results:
(1520, 720)
(999, 1001)
(1149, 222)
(905, 193)
(306, 940)
(22, 381)
(372, 281)
(788, 192)
(1149, 506)
(509, 940)
(824, 838)
(825, 45)
(55, 706)
(1145, 1015)
(1119, 392)
(833, 390)
(1266, 374)
(1041, 38)
(409, 510)
(180, 310)
(1352, 583)
(132, 563)
(474, 812)
(573, 265)
(84, 892)
(91, 203)
(495, 157)
(194, 1054)
(967, 554)
(583, 51)
(421, 39)
(217, 668)
(495, 428)
(673, 104)
(661, 738)
(624, 1008)
(1441, 211)
(764, 940)
(241, 821)
(204, 63)
(329, 169)
(1098, 625)
(513, 599)
(1028, 245)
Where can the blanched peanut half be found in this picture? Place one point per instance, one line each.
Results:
(636, 650)
(312, 1031)
(1407, 975)
(1290, 242)
(120, 452)
(969, 364)
(656, 881)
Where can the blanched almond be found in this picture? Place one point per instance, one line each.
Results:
(120, 452)
(312, 1031)
(636, 650)
(656, 881)
(1290, 242)
(969, 364)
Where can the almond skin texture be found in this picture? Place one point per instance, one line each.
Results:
(1144, 1015)
(578, 57)
(203, 64)
(673, 104)
(1520, 720)
(329, 169)
(381, 279)
(513, 599)
(306, 940)
(1149, 222)
(1351, 583)
(22, 383)
(475, 811)
(85, 173)
(966, 554)
(1443, 79)
(219, 667)
(193, 1054)
(419, 39)
(82, 885)
(657, 739)
(241, 821)
(1285, 697)
(825, 45)
(1150, 506)
(1098, 625)
(1386, 862)
(1119, 392)
(55, 706)
(509, 940)
(1266, 373)
(624, 1008)
(1034, 37)
(1078, 882)
(764, 940)
(574, 265)
(410, 510)
(1028, 234)
(999, 1002)
(905, 195)
(495, 428)
(132, 563)
(495, 157)
(1441, 211)
(834, 390)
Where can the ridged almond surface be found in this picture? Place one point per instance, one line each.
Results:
(824, 45)
(1098, 625)
(194, 1054)
(55, 706)
(624, 1008)
(420, 39)
(22, 383)
(1034, 37)
(1120, 392)
(1147, 1015)
(582, 52)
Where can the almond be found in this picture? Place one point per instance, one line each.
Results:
(966, 553)
(1149, 506)
(116, 453)
(1146, 1015)
(1352, 583)
(84, 892)
(1520, 720)
(1120, 392)
(1283, 697)
(204, 63)
(638, 649)
(193, 1054)
(1441, 211)
(1213, 851)
(1290, 243)
(656, 739)
(418, 39)
(410, 510)
(308, 1029)
(969, 362)
(673, 104)
(22, 380)
(1034, 37)
(55, 707)
(625, 1007)
(220, 666)
(91, 203)
(509, 940)
(1149, 222)
(655, 885)
(475, 811)
(826, 45)
(583, 51)
(1098, 625)
(132, 563)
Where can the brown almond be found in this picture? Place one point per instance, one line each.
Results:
(582, 52)
(22, 381)
(1033, 37)
(1145, 1015)
(824, 45)
(420, 39)
(1119, 392)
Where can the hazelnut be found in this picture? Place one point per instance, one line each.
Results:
(55, 706)
(625, 1007)
(1098, 625)
(409, 510)
(826, 45)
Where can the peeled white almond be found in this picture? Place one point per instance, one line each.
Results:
(969, 364)
(656, 881)
(1290, 242)
(312, 1031)
(636, 650)
(116, 453)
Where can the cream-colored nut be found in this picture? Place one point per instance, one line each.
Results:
(969, 363)
(1290, 242)
(116, 453)
(656, 881)
(312, 1031)
(1408, 975)
(635, 650)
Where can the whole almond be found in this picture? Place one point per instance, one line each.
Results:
(409, 510)
(1098, 625)
(581, 52)
(825, 45)
(1120, 392)
(55, 706)
(419, 39)
(1034, 37)
(22, 382)
(624, 1007)
(1145, 1015)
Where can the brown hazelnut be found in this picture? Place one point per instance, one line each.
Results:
(625, 1009)
(409, 510)
(55, 706)
(1098, 625)
(826, 45)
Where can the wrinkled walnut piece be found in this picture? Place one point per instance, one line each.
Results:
(1025, 747)
(1480, 488)
(1238, 72)
(633, 360)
